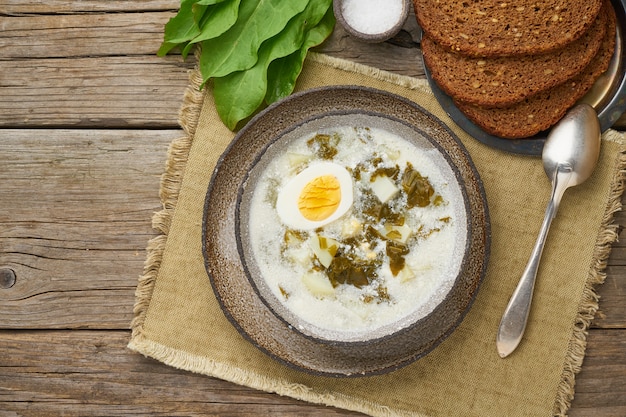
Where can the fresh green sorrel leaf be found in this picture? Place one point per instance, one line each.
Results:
(283, 73)
(237, 49)
(215, 21)
(239, 94)
(180, 29)
(209, 2)
(252, 49)
(198, 13)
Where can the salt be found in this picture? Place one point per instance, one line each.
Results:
(372, 16)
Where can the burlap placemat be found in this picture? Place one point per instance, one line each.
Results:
(179, 322)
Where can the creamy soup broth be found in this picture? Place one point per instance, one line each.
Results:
(426, 235)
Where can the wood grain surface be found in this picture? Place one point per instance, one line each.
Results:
(87, 112)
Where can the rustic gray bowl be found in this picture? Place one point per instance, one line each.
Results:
(259, 318)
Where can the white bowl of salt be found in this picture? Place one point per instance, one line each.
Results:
(372, 20)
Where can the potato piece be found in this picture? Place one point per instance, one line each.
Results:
(398, 233)
(324, 249)
(351, 228)
(384, 188)
(297, 159)
(392, 153)
(299, 255)
(318, 284)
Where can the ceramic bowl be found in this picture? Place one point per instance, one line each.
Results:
(256, 313)
(353, 29)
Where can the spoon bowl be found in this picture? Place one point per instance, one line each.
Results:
(569, 156)
(574, 142)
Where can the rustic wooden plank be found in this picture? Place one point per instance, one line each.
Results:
(400, 54)
(76, 35)
(79, 35)
(92, 373)
(612, 311)
(58, 77)
(114, 34)
(20, 7)
(113, 78)
(601, 385)
(75, 218)
(113, 92)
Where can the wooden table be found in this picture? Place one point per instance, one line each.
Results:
(87, 111)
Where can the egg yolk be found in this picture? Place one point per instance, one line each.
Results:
(320, 198)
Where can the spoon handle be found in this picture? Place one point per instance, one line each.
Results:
(515, 317)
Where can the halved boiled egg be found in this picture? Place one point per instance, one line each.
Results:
(318, 195)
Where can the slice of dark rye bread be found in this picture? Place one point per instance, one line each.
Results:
(543, 110)
(503, 81)
(490, 28)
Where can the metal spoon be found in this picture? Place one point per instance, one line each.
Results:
(569, 156)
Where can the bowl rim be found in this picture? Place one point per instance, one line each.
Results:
(327, 359)
(242, 189)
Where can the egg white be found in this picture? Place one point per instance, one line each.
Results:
(287, 202)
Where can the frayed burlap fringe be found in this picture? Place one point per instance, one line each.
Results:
(202, 365)
(171, 181)
(170, 187)
(589, 302)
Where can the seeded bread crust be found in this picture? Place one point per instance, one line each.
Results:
(488, 28)
(503, 81)
(543, 110)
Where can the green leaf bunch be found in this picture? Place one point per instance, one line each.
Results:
(252, 50)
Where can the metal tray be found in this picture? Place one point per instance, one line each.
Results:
(607, 96)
